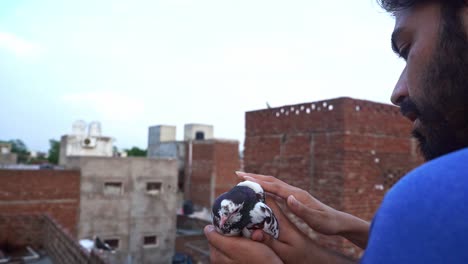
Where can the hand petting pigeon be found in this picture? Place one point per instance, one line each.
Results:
(243, 210)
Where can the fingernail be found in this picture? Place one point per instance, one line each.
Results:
(209, 228)
(248, 178)
(292, 200)
(257, 236)
(240, 173)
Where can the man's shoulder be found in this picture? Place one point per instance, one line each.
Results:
(443, 170)
(455, 160)
(424, 217)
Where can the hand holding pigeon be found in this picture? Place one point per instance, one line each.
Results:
(243, 210)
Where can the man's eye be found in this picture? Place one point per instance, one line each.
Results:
(404, 52)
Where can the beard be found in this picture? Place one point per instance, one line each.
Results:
(442, 110)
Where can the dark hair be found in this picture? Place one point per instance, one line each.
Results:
(397, 5)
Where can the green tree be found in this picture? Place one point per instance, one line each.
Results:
(18, 147)
(136, 152)
(54, 151)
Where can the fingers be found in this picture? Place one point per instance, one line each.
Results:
(257, 235)
(270, 184)
(318, 220)
(287, 230)
(298, 208)
(262, 237)
(242, 175)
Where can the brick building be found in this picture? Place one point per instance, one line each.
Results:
(209, 169)
(55, 192)
(345, 152)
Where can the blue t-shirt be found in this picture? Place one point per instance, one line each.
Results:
(424, 217)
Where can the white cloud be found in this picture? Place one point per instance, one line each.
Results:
(107, 105)
(18, 45)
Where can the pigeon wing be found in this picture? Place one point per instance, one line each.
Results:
(262, 217)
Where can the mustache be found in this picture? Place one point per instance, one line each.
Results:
(408, 107)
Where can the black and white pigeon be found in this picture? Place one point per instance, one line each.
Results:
(243, 210)
(101, 245)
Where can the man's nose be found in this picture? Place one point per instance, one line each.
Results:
(400, 91)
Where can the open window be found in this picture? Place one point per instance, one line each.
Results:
(199, 135)
(113, 188)
(150, 241)
(113, 243)
(153, 188)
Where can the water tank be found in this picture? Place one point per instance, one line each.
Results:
(79, 128)
(94, 129)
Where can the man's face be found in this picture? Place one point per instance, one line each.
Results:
(433, 88)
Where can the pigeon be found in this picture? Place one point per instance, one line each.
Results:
(99, 244)
(243, 210)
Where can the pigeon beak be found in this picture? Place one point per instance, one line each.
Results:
(222, 221)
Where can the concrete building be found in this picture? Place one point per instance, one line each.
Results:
(131, 204)
(198, 132)
(345, 152)
(6, 156)
(162, 141)
(85, 141)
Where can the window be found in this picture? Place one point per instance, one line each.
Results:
(150, 241)
(113, 188)
(113, 243)
(199, 135)
(153, 188)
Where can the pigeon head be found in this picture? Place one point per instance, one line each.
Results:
(229, 214)
(256, 188)
(230, 211)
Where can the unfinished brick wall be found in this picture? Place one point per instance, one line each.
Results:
(42, 232)
(345, 152)
(20, 231)
(211, 171)
(56, 192)
(62, 248)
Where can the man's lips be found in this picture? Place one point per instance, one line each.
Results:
(409, 109)
(411, 116)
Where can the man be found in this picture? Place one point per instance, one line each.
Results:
(424, 217)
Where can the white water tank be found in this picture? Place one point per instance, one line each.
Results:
(94, 129)
(79, 128)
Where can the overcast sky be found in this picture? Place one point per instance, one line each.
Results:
(134, 64)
